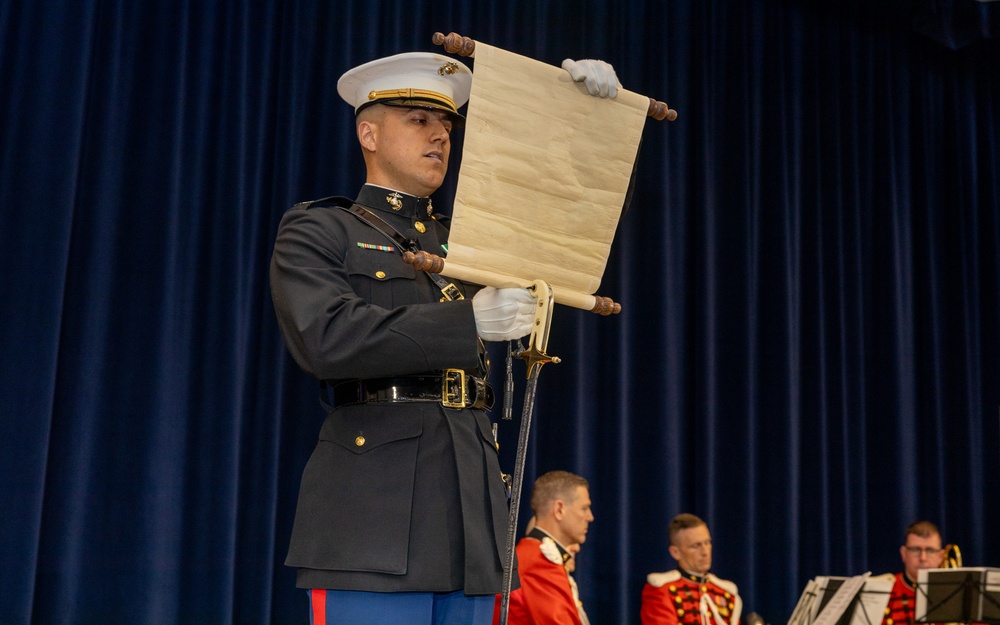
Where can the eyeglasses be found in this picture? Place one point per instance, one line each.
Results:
(928, 551)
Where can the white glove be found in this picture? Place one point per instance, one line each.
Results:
(503, 314)
(599, 77)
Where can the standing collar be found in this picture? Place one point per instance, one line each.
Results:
(694, 577)
(395, 202)
(539, 534)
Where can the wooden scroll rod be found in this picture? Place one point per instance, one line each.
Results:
(432, 263)
(464, 46)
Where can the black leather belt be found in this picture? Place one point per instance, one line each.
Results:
(452, 388)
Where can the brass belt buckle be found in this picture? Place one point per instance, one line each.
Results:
(453, 388)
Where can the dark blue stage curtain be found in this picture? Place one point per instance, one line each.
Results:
(808, 356)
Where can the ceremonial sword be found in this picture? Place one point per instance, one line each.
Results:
(535, 356)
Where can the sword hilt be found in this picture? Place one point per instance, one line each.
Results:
(538, 341)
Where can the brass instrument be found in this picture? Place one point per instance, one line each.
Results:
(952, 557)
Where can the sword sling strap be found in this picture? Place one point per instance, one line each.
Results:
(449, 291)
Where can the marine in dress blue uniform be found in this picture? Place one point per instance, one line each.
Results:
(402, 509)
(402, 494)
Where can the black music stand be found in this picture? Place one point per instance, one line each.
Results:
(962, 595)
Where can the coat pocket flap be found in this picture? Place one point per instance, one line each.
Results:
(360, 431)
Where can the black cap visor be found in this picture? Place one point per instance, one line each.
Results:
(457, 119)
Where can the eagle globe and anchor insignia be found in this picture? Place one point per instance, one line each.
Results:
(395, 200)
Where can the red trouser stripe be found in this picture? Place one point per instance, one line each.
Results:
(318, 599)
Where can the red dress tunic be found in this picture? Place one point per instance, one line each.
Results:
(676, 598)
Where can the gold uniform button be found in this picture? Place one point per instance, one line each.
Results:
(887, 611)
(673, 588)
(680, 611)
(678, 600)
(380, 275)
(421, 228)
(359, 441)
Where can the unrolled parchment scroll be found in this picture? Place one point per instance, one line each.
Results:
(544, 174)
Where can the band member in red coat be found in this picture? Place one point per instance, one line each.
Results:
(561, 503)
(690, 595)
(921, 549)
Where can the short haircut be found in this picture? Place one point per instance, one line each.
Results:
(375, 113)
(552, 486)
(681, 522)
(923, 529)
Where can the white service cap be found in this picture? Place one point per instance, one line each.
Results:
(412, 79)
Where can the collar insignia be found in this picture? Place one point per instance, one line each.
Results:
(395, 200)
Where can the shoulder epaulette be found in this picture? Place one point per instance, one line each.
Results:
(724, 584)
(659, 579)
(551, 551)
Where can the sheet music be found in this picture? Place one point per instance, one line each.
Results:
(872, 600)
(992, 580)
(825, 585)
(800, 615)
(841, 600)
(544, 174)
(991, 597)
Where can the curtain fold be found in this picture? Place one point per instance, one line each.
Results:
(808, 355)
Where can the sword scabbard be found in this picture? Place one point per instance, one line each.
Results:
(535, 355)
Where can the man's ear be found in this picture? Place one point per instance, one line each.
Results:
(675, 553)
(367, 135)
(558, 509)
